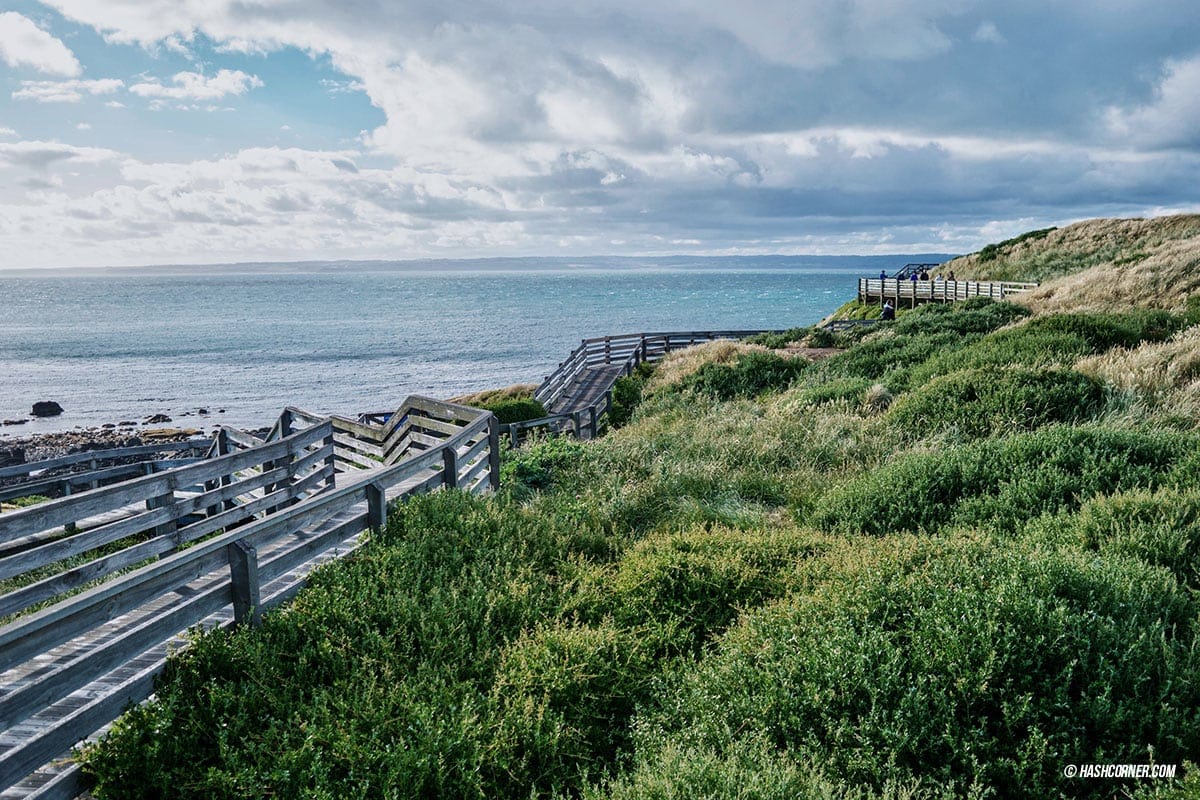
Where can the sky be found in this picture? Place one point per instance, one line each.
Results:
(140, 132)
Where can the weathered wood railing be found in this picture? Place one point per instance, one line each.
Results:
(872, 290)
(90, 612)
(625, 351)
(92, 468)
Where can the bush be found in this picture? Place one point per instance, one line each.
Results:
(1105, 331)
(539, 463)
(682, 589)
(1000, 483)
(968, 667)
(516, 409)
(777, 341)
(750, 375)
(835, 390)
(889, 357)
(981, 402)
(627, 394)
(976, 315)
(1160, 527)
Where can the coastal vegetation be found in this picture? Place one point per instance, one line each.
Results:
(951, 560)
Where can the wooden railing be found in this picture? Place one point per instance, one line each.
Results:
(215, 541)
(625, 351)
(92, 468)
(900, 289)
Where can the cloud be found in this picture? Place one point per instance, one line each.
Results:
(23, 43)
(1172, 117)
(7, 132)
(41, 155)
(196, 86)
(761, 126)
(988, 32)
(65, 91)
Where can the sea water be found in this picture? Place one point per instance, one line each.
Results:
(244, 341)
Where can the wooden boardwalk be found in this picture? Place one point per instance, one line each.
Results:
(91, 611)
(578, 393)
(912, 293)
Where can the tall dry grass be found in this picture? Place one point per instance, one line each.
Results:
(678, 365)
(1164, 377)
(1100, 264)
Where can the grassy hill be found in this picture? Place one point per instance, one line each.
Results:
(1098, 265)
(950, 560)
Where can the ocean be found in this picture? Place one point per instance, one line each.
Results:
(243, 341)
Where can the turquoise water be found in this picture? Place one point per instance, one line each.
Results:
(124, 344)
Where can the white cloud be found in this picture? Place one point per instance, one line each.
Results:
(83, 126)
(65, 91)
(196, 86)
(1172, 118)
(988, 32)
(41, 155)
(7, 132)
(23, 43)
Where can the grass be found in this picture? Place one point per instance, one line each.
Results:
(944, 563)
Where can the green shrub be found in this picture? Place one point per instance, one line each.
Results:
(538, 464)
(889, 357)
(976, 315)
(749, 769)
(750, 375)
(627, 394)
(835, 390)
(684, 588)
(515, 409)
(777, 341)
(1002, 482)
(1105, 331)
(1191, 314)
(1002, 349)
(974, 666)
(1160, 527)
(980, 402)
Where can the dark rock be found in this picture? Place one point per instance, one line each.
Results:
(15, 455)
(108, 425)
(46, 408)
(125, 423)
(202, 411)
(220, 411)
(157, 419)
(15, 421)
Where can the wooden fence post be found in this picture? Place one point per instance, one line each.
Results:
(331, 461)
(577, 423)
(450, 468)
(494, 451)
(376, 506)
(165, 500)
(593, 418)
(243, 571)
(285, 424)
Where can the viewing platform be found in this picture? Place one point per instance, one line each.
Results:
(910, 292)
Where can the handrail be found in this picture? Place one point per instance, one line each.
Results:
(871, 289)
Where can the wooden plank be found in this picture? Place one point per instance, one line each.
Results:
(371, 433)
(305, 417)
(352, 443)
(443, 410)
(69, 546)
(103, 455)
(474, 470)
(18, 762)
(432, 425)
(97, 661)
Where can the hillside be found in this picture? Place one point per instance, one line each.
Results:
(955, 558)
(1098, 265)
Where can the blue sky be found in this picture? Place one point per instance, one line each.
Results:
(200, 131)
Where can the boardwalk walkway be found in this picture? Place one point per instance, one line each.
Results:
(89, 612)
